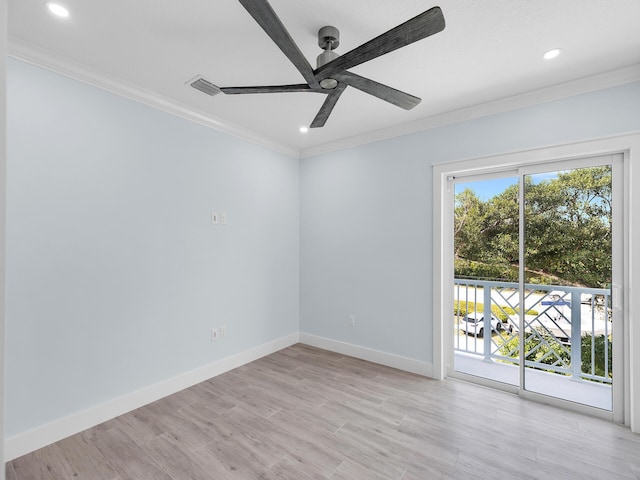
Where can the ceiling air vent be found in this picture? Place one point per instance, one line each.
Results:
(204, 86)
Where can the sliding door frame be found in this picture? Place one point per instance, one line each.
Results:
(629, 146)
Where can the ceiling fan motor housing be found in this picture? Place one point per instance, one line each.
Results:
(328, 40)
(326, 57)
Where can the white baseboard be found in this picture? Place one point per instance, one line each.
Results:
(47, 434)
(363, 353)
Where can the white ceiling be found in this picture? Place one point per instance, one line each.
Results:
(489, 50)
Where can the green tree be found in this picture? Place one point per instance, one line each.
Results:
(568, 226)
(468, 218)
(501, 228)
(567, 229)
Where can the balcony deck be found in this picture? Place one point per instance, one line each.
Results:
(560, 386)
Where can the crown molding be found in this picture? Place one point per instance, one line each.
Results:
(80, 72)
(49, 60)
(559, 91)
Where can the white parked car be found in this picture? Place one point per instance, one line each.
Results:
(473, 324)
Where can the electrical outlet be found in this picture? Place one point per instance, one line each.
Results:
(223, 331)
(352, 320)
(223, 218)
(215, 334)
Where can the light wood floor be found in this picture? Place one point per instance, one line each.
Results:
(304, 413)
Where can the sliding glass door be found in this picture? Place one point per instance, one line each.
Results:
(537, 272)
(568, 232)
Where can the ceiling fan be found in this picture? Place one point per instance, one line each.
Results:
(331, 77)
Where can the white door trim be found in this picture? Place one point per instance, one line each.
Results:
(3, 231)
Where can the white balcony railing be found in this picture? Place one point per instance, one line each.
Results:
(567, 330)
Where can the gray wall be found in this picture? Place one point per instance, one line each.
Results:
(115, 273)
(366, 216)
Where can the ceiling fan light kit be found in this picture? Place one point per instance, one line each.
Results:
(331, 76)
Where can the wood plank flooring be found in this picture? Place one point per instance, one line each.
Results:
(304, 413)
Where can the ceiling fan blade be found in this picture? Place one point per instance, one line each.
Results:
(383, 92)
(327, 106)
(262, 13)
(419, 27)
(302, 87)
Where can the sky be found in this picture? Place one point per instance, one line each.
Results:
(486, 189)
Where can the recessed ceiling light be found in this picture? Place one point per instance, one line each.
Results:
(57, 9)
(553, 53)
(304, 129)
